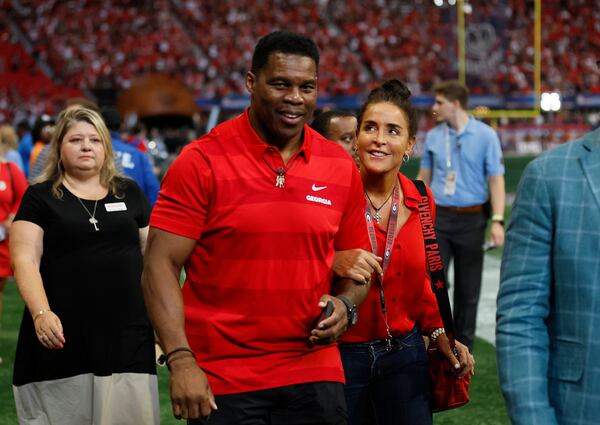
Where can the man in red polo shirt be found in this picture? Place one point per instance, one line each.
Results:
(255, 211)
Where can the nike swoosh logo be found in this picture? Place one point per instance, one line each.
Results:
(318, 188)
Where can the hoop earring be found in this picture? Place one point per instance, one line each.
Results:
(405, 157)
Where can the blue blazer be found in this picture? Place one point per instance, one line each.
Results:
(548, 317)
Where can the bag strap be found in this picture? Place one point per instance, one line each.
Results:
(434, 261)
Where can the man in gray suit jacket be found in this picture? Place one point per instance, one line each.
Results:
(548, 317)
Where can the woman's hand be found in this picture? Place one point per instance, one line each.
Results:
(465, 362)
(356, 264)
(49, 330)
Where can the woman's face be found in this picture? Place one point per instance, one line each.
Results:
(82, 148)
(383, 138)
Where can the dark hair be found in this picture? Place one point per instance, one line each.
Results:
(283, 42)
(453, 90)
(23, 126)
(41, 122)
(321, 122)
(396, 93)
(111, 118)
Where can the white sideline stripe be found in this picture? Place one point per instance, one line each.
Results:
(486, 312)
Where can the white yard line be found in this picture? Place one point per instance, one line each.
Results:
(486, 314)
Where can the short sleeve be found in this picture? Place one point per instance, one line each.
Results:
(33, 206)
(426, 155)
(352, 232)
(142, 216)
(494, 163)
(185, 194)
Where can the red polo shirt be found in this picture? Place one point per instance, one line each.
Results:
(264, 254)
(408, 295)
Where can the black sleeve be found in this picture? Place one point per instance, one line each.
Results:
(34, 206)
(143, 207)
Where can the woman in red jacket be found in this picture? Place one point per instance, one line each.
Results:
(384, 355)
(12, 187)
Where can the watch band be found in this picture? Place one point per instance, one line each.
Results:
(346, 301)
(352, 310)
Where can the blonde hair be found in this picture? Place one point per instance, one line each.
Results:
(54, 169)
(8, 139)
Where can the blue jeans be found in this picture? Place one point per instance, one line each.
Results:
(387, 386)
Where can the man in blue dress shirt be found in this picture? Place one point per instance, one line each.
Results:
(462, 162)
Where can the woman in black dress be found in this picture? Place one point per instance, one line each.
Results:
(85, 353)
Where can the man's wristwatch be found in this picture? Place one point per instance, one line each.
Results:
(498, 218)
(352, 310)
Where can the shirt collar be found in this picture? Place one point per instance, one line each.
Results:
(410, 191)
(466, 130)
(258, 147)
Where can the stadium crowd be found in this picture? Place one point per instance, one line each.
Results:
(207, 43)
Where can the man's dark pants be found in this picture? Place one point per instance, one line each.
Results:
(461, 236)
(314, 403)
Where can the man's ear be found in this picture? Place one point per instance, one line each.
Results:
(250, 82)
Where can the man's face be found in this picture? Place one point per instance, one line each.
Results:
(284, 94)
(342, 130)
(443, 108)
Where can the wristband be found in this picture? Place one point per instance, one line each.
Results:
(39, 313)
(164, 358)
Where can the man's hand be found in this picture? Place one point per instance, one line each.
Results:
(330, 329)
(191, 395)
(356, 264)
(497, 234)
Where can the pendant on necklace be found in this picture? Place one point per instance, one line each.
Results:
(280, 181)
(94, 222)
(377, 217)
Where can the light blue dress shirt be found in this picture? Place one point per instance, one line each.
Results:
(475, 155)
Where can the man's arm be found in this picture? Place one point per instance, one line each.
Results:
(524, 304)
(165, 255)
(498, 201)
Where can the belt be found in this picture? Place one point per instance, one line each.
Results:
(462, 210)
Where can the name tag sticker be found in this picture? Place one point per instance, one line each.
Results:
(115, 206)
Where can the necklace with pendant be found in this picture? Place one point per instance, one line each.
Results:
(92, 219)
(280, 171)
(377, 216)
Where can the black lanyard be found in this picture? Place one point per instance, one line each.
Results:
(389, 244)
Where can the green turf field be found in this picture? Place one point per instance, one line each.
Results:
(486, 406)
